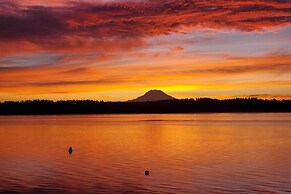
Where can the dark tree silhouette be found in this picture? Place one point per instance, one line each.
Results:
(168, 106)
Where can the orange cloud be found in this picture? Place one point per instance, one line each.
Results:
(180, 72)
(112, 25)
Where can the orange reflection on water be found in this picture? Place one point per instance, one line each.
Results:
(185, 153)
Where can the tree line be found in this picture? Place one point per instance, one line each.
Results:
(35, 107)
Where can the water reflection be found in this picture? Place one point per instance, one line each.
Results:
(185, 153)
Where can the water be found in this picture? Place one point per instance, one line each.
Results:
(185, 153)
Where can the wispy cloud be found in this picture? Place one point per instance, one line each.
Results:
(123, 24)
(226, 73)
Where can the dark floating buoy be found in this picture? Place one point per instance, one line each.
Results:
(70, 150)
(146, 172)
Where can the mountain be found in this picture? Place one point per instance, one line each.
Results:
(153, 95)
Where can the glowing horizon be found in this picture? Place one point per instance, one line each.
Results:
(117, 50)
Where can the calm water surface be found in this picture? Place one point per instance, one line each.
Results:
(185, 153)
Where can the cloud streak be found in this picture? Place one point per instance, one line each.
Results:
(84, 25)
(139, 75)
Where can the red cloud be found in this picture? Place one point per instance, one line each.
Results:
(92, 26)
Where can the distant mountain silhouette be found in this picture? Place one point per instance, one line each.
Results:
(153, 95)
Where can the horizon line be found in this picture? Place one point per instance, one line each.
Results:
(96, 100)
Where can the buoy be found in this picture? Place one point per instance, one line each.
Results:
(146, 172)
(70, 150)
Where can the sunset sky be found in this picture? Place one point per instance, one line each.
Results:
(118, 49)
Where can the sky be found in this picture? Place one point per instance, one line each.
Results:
(116, 50)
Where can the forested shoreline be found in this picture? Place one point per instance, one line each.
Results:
(39, 107)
